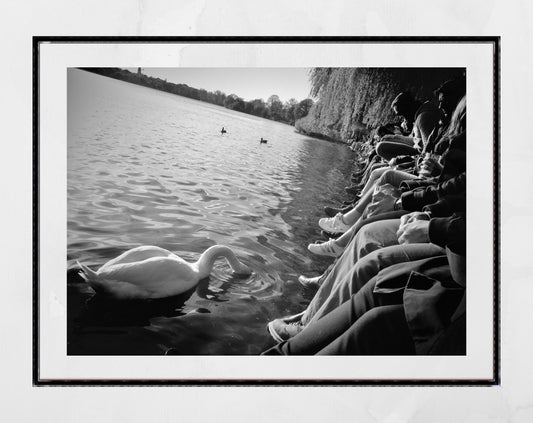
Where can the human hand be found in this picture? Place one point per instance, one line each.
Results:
(413, 232)
(413, 216)
(430, 166)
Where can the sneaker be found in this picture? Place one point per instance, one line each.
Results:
(333, 224)
(286, 328)
(310, 282)
(328, 248)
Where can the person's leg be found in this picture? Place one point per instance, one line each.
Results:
(376, 235)
(338, 245)
(323, 332)
(368, 172)
(370, 237)
(392, 148)
(395, 177)
(390, 176)
(380, 331)
(343, 240)
(374, 176)
(342, 223)
(346, 284)
(346, 237)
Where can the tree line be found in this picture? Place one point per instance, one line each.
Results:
(273, 108)
(350, 102)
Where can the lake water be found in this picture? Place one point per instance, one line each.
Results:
(150, 168)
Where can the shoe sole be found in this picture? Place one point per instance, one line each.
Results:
(273, 333)
(297, 316)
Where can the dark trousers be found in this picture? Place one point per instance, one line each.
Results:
(367, 324)
(391, 147)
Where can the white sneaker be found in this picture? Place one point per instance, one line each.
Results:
(327, 248)
(310, 282)
(334, 225)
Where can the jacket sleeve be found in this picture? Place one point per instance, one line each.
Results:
(417, 199)
(416, 183)
(452, 186)
(449, 230)
(446, 206)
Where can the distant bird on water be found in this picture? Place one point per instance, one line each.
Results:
(262, 141)
(223, 131)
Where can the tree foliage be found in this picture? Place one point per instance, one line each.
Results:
(273, 108)
(352, 101)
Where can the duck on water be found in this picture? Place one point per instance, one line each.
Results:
(150, 272)
(262, 141)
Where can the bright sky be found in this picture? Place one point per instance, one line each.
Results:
(248, 83)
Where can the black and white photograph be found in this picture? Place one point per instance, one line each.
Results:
(292, 211)
(216, 214)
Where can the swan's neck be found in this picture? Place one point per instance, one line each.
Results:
(207, 259)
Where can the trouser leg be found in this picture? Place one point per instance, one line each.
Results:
(364, 201)
(323, 332)
(389, 176)
(371, 237)
(345, 286)
(374, 176)
(395, 177)
(391, 149)
(380, 331)
(374, 236)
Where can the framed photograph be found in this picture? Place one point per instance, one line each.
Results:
(205, 205)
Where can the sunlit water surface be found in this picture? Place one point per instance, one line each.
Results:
(150, 168)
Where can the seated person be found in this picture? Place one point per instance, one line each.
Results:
(453, 162)
(370, 245)
(414, 307)
(428, 120)
(375, 246)
(424, 118)
(449, 95)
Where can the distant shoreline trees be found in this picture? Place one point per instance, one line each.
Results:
(273, 109)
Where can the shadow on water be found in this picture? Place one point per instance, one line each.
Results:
(104, 311)
(131, 326)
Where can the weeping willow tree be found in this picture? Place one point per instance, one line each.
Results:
(350, 102)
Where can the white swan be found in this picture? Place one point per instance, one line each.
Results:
(153, 272)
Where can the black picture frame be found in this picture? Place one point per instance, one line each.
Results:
(40, 382)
